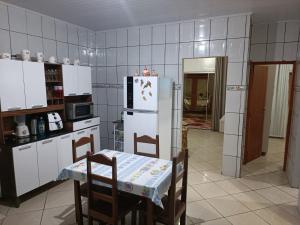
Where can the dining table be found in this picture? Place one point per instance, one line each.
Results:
(144, 176)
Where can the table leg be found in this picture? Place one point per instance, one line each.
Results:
(149, 212)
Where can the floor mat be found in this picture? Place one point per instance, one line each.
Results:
(196, 122)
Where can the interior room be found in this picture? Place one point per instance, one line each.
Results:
(149, 112)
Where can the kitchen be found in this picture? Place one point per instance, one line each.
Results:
(64, 80)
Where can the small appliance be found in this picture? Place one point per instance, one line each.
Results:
(39, 57)
(34, 126)
(22, 130)
(55, 122)
(66, 61)
(52, 59)
(25, 54)
(79, 110)
(76, 62)
(5, 55)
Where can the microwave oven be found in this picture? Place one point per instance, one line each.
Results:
(79, 110)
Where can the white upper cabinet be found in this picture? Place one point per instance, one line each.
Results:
(84, 80)
(35, 86)
(69, 80)
(12, 91)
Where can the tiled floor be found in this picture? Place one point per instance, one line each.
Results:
(261, 197)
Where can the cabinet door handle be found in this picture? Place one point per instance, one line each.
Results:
(14, 108)
(86, 93)
(47, 141)
(64, 137)
(24, 148)
(37, 106)
(94, 128)
(80, 132)
(72, 94)
(87, 121)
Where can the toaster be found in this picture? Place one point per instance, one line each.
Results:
(55, 122)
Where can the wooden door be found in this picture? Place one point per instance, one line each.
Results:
(255, 114)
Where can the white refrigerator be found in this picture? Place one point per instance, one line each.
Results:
(148, 111)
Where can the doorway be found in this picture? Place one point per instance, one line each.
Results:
(270, 99)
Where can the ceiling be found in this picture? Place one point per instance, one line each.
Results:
(110, 14)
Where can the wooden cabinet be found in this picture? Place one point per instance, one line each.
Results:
(25, 168)
(47, 160)
(35, 85)
(70, 80)
(12, 93)
(64, 151)
(84, 79)
(95, 131)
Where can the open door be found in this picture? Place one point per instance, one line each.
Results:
(255, 113)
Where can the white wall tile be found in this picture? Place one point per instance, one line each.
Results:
(292, 31)
(103, 128)
(111, 39)
(160, 69)
(111, 57)
(230, 145)
(18, 42)
(274, 52)
(111, 76)
(218, 28)
(102, 96)
(92, 57)
(4, 17)
(217, 48)
(158, 54)
(290, 51)
(202, 29)
(73, 52)
(100, 39)
(133, 56)
(103, 114)
(237, 26)
(145, 55)
(61, 31)
(258, 52)
(82, 36)
(186, 51)
(171, 71)
(49, 48)
(122, 56)
(186, 31)
(172, 33)
(17, 19)
(235, 73)
(133, 36)
(159, 34)
(95, 99)
(101, 75)
(101, 57)
(145, 35)
(121, 37)
(62, 51)
(91, 39)
(229, 167)
(232, 101)
(34, 23)
(35, 44)
(259, 33)
(113, 96)
(5, 41)
(235, 50)
(83, 56)
(48, 27)
(94, 75)
(201, 49)
(120, 96)
(276, 32)
(73, 34)
(121, 73)
(231, 125)
(172, 53)
(246, 50)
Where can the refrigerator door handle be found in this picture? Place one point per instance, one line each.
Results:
(139, 111)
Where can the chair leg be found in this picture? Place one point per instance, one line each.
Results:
(183, 218)
(90, 220)
(133, 217)
(78, 205)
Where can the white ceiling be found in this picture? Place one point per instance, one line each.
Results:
(110, 14)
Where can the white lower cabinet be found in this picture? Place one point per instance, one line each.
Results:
(64, 151)
(26, 168)
(80, 151)
(95, 131)
(47, 160)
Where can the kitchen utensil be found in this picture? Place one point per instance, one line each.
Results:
(40, 56)
(66, 61)
(25, 54)
(76, 62)
(52, 59)
(5, 55)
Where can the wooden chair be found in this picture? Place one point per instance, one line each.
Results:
(147, 140)
(80, 189)
(107, 208)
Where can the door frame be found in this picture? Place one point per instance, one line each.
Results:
(291, 103)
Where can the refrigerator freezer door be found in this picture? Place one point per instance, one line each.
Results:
(142, 124)
(145, 93)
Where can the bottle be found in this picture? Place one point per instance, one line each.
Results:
(41, 127)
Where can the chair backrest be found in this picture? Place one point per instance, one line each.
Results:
(146, 140)
(81, 142)
(110, 199)
(179, 174)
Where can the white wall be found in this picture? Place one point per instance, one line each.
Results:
(199, 65)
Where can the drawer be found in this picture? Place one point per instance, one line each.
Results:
(83, 124)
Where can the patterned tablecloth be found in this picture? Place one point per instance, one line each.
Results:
(143, 176)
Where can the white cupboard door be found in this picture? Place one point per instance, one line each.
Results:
(26, 168)
(12, 93)
(64, 151)
(69, 80)
(82, 150)
(47, 160)
(84, 80)
(145, 96)
(95, 131)
(35, 85)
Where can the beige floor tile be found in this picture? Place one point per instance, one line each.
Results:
(33, 204)
(215, 176)
(65, 186)
(249, 218)
(215, 222)
(255, 182)
(291, 208)
(228, 205)
(253, 200)
(209, 190)
(233, 186)
(275, 195)
(276, 216)
(193, 195)
(294, 192)
(197, 178)
(62, 198)
(30, 218)
(64, 215)
(3, 212)
(201, 211)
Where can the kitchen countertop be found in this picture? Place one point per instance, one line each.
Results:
(15, 142)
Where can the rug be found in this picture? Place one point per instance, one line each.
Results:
(197, 122)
